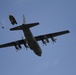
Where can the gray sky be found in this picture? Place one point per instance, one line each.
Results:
(53, 16)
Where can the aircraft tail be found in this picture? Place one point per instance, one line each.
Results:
(24, 21)
(24, 26)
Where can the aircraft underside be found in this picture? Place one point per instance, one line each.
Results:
(31, 41)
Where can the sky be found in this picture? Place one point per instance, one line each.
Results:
(54, 16)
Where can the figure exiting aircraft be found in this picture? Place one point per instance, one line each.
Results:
(31, 41)
(12, 20)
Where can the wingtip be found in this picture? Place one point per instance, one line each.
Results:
(68, 31)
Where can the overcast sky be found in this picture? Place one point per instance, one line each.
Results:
(53, 15)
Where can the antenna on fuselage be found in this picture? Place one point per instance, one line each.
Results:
(24, 22)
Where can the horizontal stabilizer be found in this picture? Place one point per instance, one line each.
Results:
(24, 26)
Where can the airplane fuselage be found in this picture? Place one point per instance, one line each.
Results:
(33, 44)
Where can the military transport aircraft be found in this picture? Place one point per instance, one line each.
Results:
(31, 41)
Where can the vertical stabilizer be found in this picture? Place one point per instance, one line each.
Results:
(24, 22)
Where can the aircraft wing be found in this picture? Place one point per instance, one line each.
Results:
(51, 35)
(12, 43)
(38, 38)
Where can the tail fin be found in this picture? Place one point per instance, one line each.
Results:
(24, 22)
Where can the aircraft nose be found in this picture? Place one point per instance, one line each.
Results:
(38, 52)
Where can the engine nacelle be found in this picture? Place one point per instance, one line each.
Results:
(17, 45)
(53, 39)
(43, 41)
(45, 38)
(25, 44)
